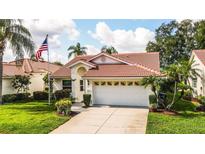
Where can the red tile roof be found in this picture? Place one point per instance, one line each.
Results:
(62, 72)
(27, 66)
(142, 64)
(119, 71)
(200, 54)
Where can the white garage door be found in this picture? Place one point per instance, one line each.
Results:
(121, 95)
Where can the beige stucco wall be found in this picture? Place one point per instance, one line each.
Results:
(7, 87)
(37, 84)
(200, 88)
(76, 93)
(58, 83)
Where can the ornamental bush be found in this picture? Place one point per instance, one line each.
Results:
(60, 94)
(40, 95)
(64, 106)
(8, 98)
(87, 99)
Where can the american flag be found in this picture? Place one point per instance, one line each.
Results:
(44, 47)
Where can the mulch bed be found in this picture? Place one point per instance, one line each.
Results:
(163, 111)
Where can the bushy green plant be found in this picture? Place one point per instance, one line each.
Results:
(15, 97)
(40, 95)
(87, 99)
(63, 106)
(201, 99)
(21, 83)
(60, 94)
(8, 98)
(188, 95)
(152, 99)
(22, 96)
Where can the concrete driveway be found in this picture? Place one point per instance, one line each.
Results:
(106, 120)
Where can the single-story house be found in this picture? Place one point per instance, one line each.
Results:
(198, 83)
(110, 79)
(35, 69)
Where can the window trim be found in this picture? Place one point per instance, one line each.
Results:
(67, 87)
(194, 83)
(82, 87)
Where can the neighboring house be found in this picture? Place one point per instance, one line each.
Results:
(35, 69)
(110, 79)
(198, 83)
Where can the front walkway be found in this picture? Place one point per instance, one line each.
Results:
(106, 120)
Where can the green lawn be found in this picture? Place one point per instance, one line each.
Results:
(187, 122)
(29, 118)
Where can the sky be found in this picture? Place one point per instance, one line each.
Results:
(126, 35)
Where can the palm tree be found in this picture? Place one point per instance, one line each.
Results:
(154, 83)
(33, 57)
(181, 73)
(77, 50)
(14, 34)
(189, 70)
(110, 50)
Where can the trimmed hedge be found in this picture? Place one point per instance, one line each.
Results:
(40, 95)
(15, 97)
(87, 99)
(60, 94)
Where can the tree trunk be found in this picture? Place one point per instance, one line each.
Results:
(1, 75)
(173, 100)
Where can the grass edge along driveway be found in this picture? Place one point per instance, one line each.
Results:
(186, 122)
(35, 117)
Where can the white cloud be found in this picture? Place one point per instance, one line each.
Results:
(8, 55)
(91, 50)
(54, 27)
(123, 40)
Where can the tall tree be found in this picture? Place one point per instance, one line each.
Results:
(108, 49)
(76, 50)
(176, 40)
(14, 34)
(180, 73)
(199, 35)
(21, 83)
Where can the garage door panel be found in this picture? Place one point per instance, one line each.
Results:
(121, 95)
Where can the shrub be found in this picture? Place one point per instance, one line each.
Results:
(9, 98)
(22, 96)
(60, 94)
(188, 95)
(201, 100)
(153, 107)
(152, 99)
(200, 108)
(15, 97)
(40, 95)
(87, 99)
(64, 106)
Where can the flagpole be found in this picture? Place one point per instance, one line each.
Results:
(49, 87)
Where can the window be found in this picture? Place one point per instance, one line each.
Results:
(67, 84)
(81, 85)
(129, 83)
(96, 83)
(103, 83)
(116, 83)
(194, 82)
(136, 83)
(109, 83)
(123, 83)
